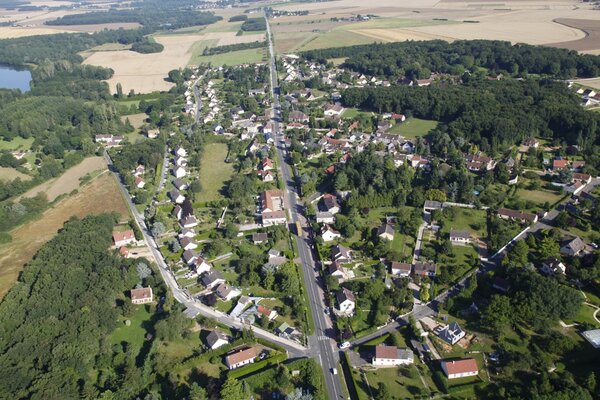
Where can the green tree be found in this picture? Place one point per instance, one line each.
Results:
(231, 390)
(497, 313)
(548, 247)
(519, 253)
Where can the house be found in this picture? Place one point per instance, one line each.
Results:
(216, 339)
(298, 116)
(531, 142)
(200, 265)
(333, 110)
(451, 334)
(267, 312)
(460, 368)
(431, 205)
(285, 330)
(139, 170)
(338, 271)
(124, 238)
(392, 356)
(331, 204)
(179, 172)
(266, 164)
(181, 152)
(239, 358)
(328, 233)
(398, 117)
(346, 302)
(273, 208)
(266, 176)
(553, 266)
(188, 222)
(559, 164)
(401, 269)
(573, 246)
(180, 161)
(190, 257)
(188, 243)
(259, 238)
(460, 237)
(424, 269)
(386, 232)
(341, 253)
(226, 292)
(324, 217)
(179, 184)
(212, 279)
(141, 295)
(124, 252)
(139, 182)
(522, 217)
(176, 197)
(479, 162)
(187, 232)
(152, 133)
(582, 178)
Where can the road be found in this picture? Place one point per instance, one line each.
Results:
(322, 343)
(195, 307)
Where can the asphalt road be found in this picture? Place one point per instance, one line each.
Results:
(322, 343)
(195, 307)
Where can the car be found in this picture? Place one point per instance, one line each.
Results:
(262, 355)
(334, 371)
(345, 345)
(594, 245)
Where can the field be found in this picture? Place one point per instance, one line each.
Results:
(69, 180)
(17, 143)
(591, 39)
(539, 196)
(214, 171)
(593, 83)
(414, 127)
(249, 56)
(8, 174)
(100, 195)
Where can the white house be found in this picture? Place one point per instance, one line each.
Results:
(328, 233)
(452, 333)
(212, 279)
(124, 238)
(386, 232)
(176, 196)
(181, 152)
(240, 358)
(200, 265)
(460, 368)
(141, 295)
(460, 237)
(392, 356)
(553, 266)
(226, 292)
(179, 172)
(346, 302)
(188, 243)
(401, 269)
(216, 339)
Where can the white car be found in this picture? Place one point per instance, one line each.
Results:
(345, 345)
(334, 371)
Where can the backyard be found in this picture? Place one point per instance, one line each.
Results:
(214, 171)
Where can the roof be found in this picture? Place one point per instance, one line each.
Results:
(386, 228)
(461, 366)
(560, 163)
(341, 251)
(516, 214)
(241, 356)
(344, 295)
(401, 266)
(268, 198)
(389, 352)
(459, 234)
(259, 237)
(223, 290)
(211, 277)
(125, 235)
(264, 311)
(576, 244)
(432, 204)
(328, 228)
(421, 267)
(592, 336)
(141, 293)
(214, 336)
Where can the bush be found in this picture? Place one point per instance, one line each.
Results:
(147, 47)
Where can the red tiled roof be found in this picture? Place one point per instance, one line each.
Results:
(461, 366)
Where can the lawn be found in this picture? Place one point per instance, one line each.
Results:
(249, 56)
(584, 315)
(539, 196)
(350, 113)
(414, 127)
(214, 171)
(465, 219)
(17, 143)
(402, 383)
(8, 174)
(135, 333)
(403, 244)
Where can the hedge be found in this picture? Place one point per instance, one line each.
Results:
(256, 367)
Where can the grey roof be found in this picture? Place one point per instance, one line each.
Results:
(211, 277)
(576, 244)
(432, 204)
(259, 237)
(459, 234)
(449, 333)
(344, 295)
(593, 336)
(214, 336)
(386, 228)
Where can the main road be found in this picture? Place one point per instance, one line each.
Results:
(322, 344)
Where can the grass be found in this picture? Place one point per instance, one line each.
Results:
(467, 219)
(350, 113)
(335, 39)
(8, 174)
(538, 196)
(249, 56)
(403, 244)
(414, 127)
(214, 171)
(199, 47)
(17, 143)
(585, 315)
(100, 195)
(135, 333)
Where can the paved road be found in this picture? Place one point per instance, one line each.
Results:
(322, 343)
(194, 307)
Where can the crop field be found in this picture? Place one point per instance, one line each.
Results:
(249, 56)
(214, 171)
(8, 174)
(68, 181)
(100, 195)
(592, 83)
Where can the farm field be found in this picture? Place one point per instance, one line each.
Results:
(249, 56)
(593, 83)
(214, 171)
(414, 127)
(8, 174)
(69, 180)
(100, 195)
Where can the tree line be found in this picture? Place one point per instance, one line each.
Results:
(209, 51)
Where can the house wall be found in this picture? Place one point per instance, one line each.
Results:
(241, 364)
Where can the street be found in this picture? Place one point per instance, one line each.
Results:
(322, 343)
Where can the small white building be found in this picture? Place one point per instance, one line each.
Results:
(460, 368)
(459, 237)
(240, 358)
(392, 356)
(346, 302)
(141, 295)
(179, 172)
(328, 233)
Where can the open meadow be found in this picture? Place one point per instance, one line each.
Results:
(100, 195)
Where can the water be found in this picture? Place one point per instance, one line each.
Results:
(11, 78)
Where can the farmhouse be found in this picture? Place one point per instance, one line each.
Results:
(124, 238)
(392, 356)
(141, 295)
(239, 358)
(460, 368)
(216, 339)
(460, 237)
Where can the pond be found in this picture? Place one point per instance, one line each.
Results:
(11, 78)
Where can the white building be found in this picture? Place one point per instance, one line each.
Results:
(392, 356)
(460, 368)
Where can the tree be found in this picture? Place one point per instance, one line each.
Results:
(590, 382)
(158, 229)
(231, 230)
(548, 247)
(143, 270)
(565, 175)
(424, 292)
(231, 390)
(298, 394)
(501, 172)
(383, 392)
(436, 195)
(519, 253)
(497, 313)
(119, 91)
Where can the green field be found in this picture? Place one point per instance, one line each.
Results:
(413, 127)
(17, 143)
(539, 196)
(197, 49)
(135, 333)
(585, 315)
(214, 171)
(466, 219)
(249, 56)
(335, 39)
(350, 113)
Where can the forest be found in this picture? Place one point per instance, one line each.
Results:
(491, 114)
(254, 24)
(417, 60)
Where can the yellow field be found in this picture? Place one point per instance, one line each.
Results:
(100, 195)
(8, 174)
(69, 180)
(593, 83)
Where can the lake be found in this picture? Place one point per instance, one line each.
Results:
(11, 78)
